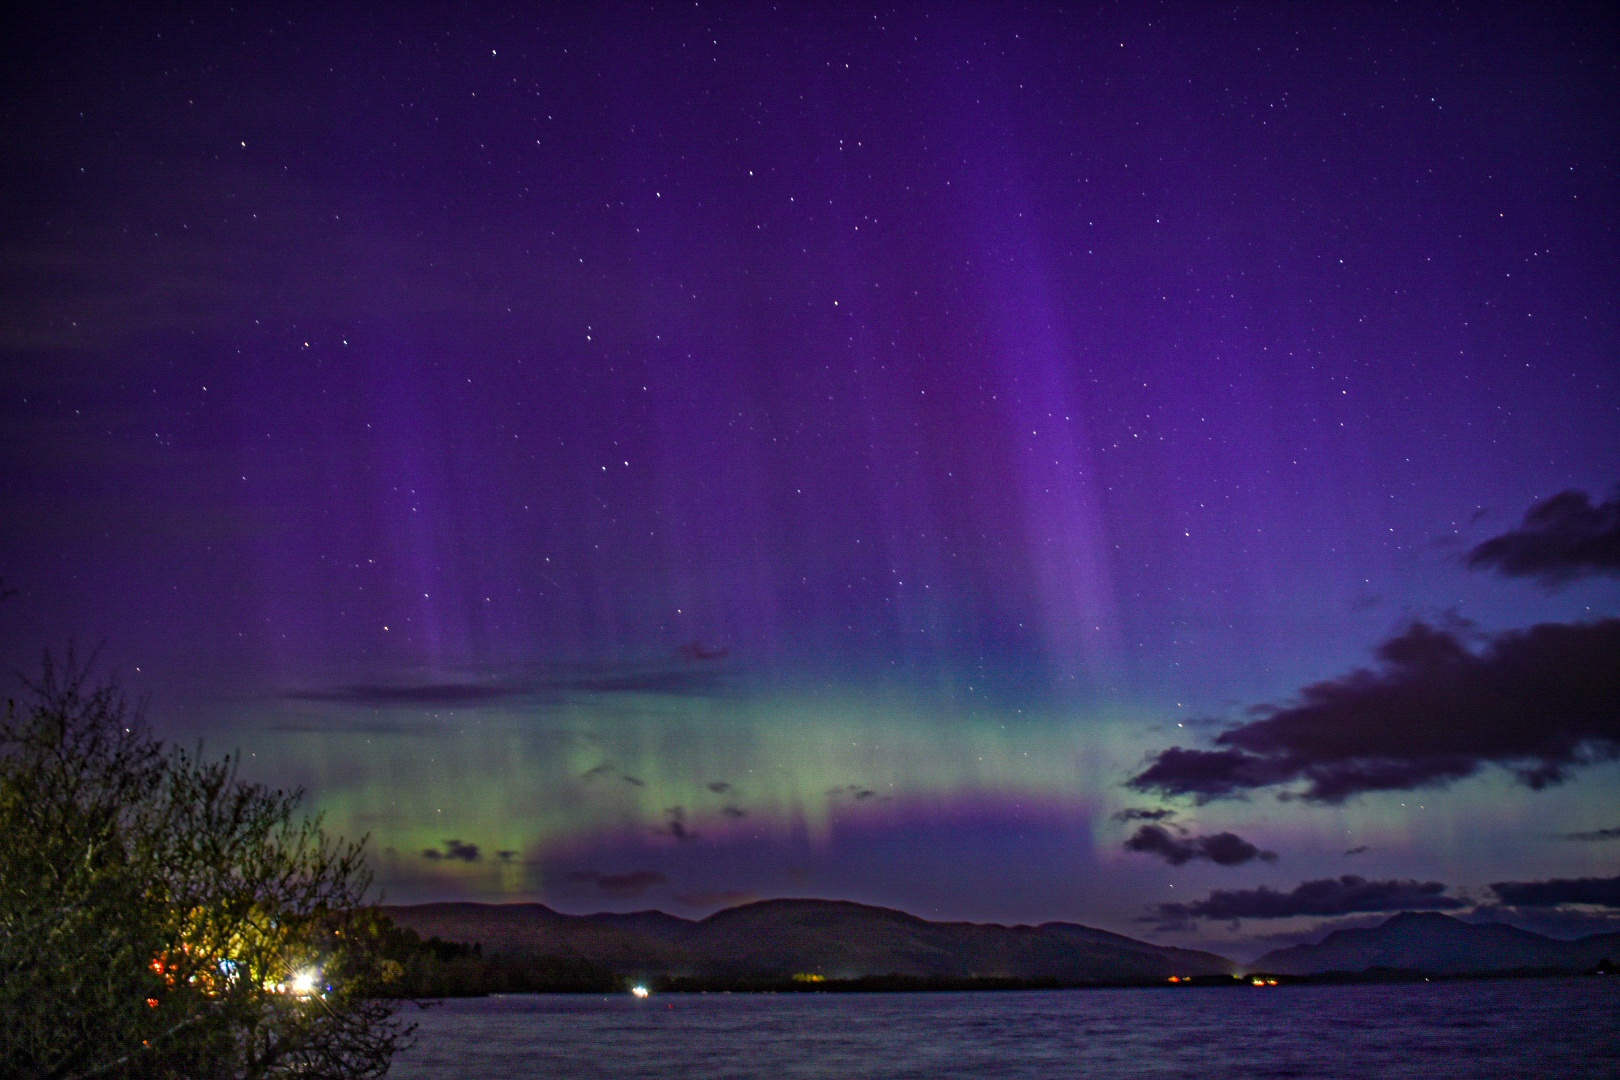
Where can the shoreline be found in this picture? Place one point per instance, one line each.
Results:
(902, 984)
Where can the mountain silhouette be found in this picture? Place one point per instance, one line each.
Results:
(830, 938)
(1431, 942)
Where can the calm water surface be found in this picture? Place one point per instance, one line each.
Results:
(1509, 1028)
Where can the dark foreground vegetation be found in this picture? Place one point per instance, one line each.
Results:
(436, 968)
(160, 917)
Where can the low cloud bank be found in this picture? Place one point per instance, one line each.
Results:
(1346, 895)
(1597, 892)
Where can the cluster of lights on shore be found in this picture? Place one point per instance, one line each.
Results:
(1257, 980)
(305, 983)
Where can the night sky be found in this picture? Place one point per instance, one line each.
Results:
(1151, 466)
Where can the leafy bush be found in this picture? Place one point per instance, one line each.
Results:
(161, 917)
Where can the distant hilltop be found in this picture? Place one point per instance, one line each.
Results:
(1441, 945)
(809, 939)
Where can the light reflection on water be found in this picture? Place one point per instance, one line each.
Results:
(1506, 1028)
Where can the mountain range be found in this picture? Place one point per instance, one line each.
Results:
(837, 940)
(1431, 942)
(826, 938)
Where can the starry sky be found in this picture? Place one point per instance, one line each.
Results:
(1145, 465)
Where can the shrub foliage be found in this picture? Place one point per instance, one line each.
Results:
(161, 917)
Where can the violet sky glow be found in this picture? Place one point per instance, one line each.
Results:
(816, 451)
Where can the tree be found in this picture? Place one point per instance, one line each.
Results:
(161, 917)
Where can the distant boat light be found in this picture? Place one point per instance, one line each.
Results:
(638, 991)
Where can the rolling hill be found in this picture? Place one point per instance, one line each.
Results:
(833, 939)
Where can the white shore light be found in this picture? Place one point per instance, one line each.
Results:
(638, 991)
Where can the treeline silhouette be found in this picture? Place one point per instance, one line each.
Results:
(435, 968)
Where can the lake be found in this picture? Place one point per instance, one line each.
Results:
(1473, 1030)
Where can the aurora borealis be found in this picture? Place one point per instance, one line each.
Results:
(654, 456)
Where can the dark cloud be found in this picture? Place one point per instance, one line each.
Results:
(1223, 849)
(1357, 850)
(699, 681)
(454, 849)
(1593, 835)
(644, 680)
(854, 791)
(506, 856)
(677, 824)
(1538, 701)
(719, 787)
(1560, 538)
(733, 811)
(1327, 897)
(633, 883)
(444, 694)
(696, 652)
(1598, 892)
(607, 767)
(1135, 813)
(367, 724)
